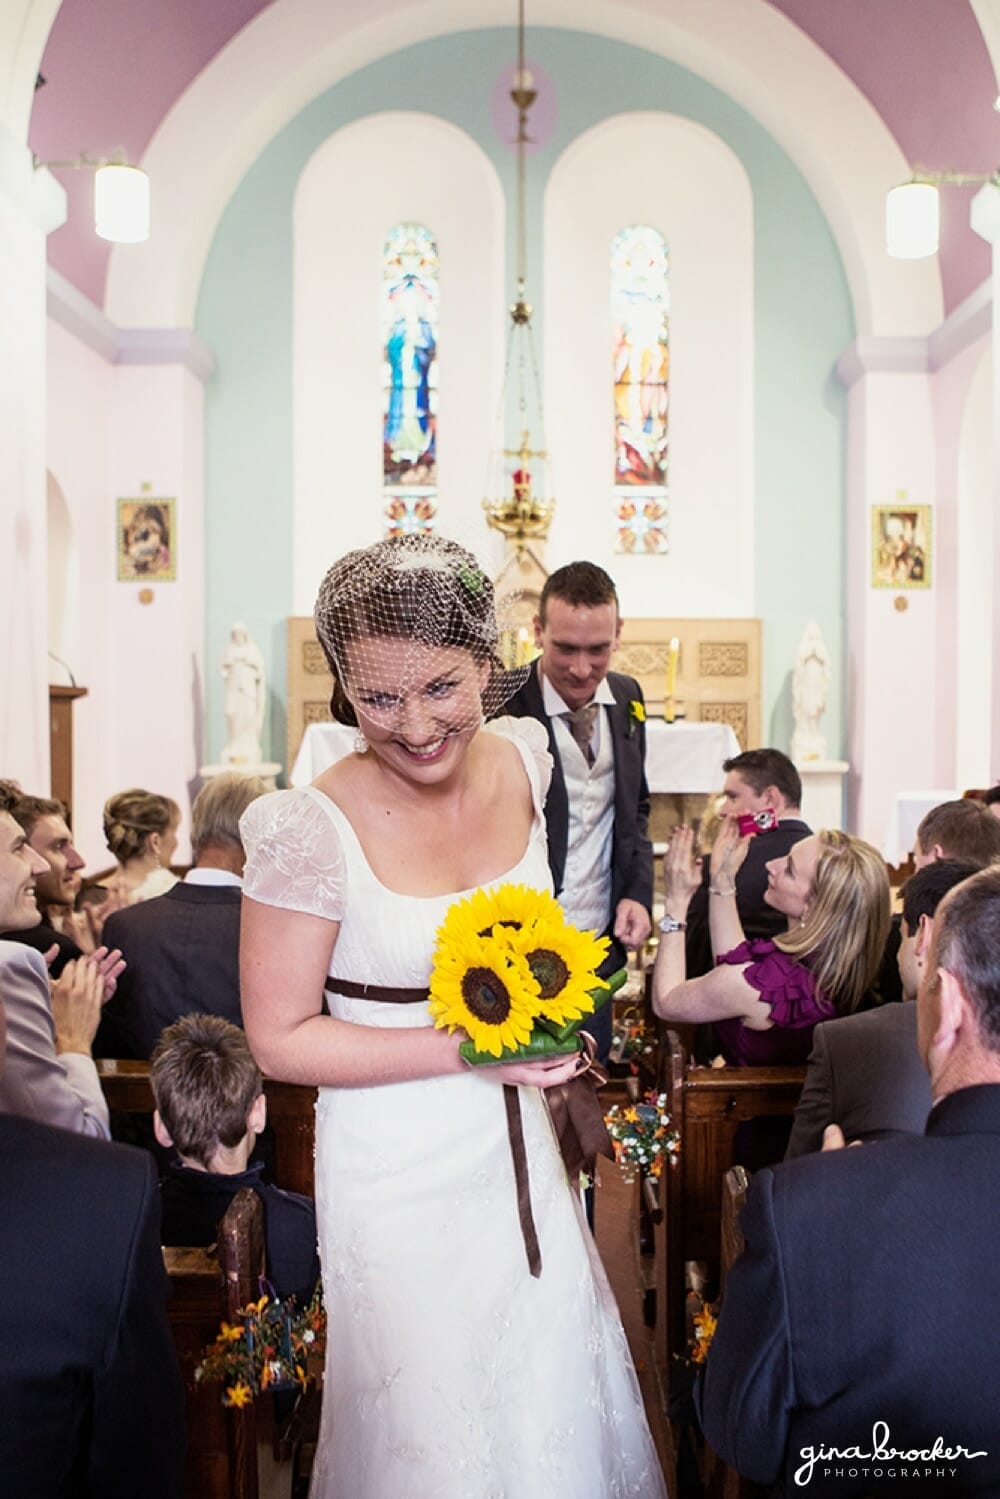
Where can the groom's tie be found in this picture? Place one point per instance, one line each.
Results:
(581, 726)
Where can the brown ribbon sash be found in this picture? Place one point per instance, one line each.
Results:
(577, 1116)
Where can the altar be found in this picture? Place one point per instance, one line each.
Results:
(682, 759)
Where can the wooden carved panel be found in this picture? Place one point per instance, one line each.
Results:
(642, 658)
(313, 659)
(736, 715)
(723, 658)
(316, 713)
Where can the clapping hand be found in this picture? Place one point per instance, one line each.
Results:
(110, 965)
(681, 871)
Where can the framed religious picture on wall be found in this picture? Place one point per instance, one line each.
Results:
(147, 540)
(901, 546)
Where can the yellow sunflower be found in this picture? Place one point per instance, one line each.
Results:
(482, 986)
(563, 962)
(509, 906)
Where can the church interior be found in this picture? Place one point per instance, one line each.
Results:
(232, 361)
(780, 440)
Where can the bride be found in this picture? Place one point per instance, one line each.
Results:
(454, 1371)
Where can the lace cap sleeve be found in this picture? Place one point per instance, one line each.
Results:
(532, 737)
(294, 855)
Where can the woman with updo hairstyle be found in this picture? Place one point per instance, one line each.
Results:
(473, 1347)
(140, 829)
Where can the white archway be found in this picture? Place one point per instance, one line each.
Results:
(296, 49)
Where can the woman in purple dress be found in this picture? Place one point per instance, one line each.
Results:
(764, 998)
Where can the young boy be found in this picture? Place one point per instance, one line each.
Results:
(210, 1105)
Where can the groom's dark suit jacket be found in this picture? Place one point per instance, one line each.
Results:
(868, 1292)
(182, 951)
(91, 1401)
(864, 1074)
(632, 852)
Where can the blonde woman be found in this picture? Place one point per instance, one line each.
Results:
(764, 997)
(140, 829)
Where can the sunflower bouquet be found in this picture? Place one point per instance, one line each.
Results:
(512, 973)
(270, 1347)
(642, 1136)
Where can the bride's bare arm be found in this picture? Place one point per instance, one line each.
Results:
(284, 960)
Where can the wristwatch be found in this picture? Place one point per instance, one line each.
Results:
(668, 924)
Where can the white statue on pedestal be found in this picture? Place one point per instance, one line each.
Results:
(810, 684)
(246, 698)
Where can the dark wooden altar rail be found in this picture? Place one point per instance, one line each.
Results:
(291, 1112)
(707, 1105)
(208, 1288)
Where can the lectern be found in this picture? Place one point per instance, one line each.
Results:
(61, 741)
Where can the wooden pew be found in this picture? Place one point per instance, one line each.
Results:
(291, 1112)
(707, 1105)
(221, 1456)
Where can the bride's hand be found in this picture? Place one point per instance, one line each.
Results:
(545, 1073)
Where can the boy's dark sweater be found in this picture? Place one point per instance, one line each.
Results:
(194, 1202)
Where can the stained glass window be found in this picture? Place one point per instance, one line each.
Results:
(640, 314)
(410, 310)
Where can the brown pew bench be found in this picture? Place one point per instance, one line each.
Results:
(291, 1113)
(209, 1287)
(706, 1105)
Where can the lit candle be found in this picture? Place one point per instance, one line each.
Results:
(523, 647)
(672, 655)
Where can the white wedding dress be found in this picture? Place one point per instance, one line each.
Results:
(451, 1373)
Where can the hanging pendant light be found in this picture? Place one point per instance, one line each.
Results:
(518, 500)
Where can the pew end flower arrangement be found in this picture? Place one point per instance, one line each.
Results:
(512, 973)
(633, 1040)
(642, 1135)
(274, 1345)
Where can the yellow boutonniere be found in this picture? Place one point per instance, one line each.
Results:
(636, 714)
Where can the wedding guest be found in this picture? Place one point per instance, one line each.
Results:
(43, 821)
(210, 1107)
(961, 829)
(49, 1073)
(864, 1072)
(855, 1348)
(140, 828)
(182, 947)
(765, 997)
(757, 781)
(90, 1390)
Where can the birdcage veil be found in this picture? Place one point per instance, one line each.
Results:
(380, 611)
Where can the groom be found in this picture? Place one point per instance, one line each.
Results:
(597, 809)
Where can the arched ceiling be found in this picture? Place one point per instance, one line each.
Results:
(114, 71)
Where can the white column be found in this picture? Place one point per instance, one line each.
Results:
(985, 220)
(32, 204)
(891, 633)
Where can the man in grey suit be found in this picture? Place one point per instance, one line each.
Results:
(864, 1073)
(49, 1073)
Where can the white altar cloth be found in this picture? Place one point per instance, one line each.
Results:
(680, 757)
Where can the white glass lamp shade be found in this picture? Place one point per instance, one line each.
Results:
(912, 221)
(121, 204)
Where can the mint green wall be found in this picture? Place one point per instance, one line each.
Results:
(803, 320)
